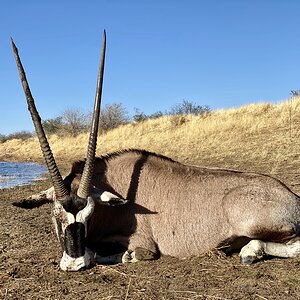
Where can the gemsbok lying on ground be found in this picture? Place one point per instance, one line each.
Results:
(146, 205)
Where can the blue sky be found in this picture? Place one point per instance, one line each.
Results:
(159, 52)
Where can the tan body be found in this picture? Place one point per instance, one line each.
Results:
(181, 210)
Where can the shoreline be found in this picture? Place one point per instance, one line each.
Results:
(15, 174)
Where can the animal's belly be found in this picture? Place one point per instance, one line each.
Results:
(188, 240)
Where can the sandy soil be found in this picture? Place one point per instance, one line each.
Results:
(30, 254)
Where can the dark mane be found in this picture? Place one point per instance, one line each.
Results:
(112, 155)
(77, 166)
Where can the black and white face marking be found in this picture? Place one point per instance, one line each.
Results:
(70, 219)
(75, 239)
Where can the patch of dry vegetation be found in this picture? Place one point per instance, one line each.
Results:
(262, 136)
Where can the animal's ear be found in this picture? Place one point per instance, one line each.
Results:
(107, 198)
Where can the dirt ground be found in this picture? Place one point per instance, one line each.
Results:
(30, 255)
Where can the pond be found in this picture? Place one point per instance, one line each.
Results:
(14, 173)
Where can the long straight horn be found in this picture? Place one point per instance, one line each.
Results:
(57, 181)
(84, 187)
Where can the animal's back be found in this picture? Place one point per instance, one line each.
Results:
(202, 211)
(197, 209)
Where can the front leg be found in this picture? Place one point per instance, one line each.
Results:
(141, 247)
(138, 254)
(128, 256)
(110, 259)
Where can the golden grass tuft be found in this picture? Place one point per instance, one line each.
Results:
(260, 136)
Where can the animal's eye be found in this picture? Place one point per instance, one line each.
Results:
(56, 213)
(57, 210)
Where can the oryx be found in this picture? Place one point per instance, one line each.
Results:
(148, 204)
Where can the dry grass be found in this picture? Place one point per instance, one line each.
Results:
(261, 137)
(264, 135)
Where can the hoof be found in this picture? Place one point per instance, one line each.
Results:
(138, 254)
(248, 260)
(129, 257)
(144, 254)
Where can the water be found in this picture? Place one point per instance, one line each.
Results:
(14, 174)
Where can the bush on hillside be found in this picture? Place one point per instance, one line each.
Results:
(184, 108)
(54, 125)
(21, 135)
(295, 93)
(188, 108)
(112, 116)
(73, 121)
(140, 116)
(2, 138)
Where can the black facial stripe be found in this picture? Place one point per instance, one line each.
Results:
(75, 239)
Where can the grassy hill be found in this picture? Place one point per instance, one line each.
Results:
(262, 137)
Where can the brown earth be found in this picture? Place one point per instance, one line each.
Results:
(30, 254)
